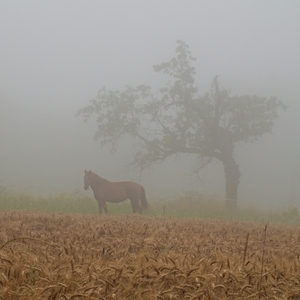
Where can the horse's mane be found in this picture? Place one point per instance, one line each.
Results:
(98, 178)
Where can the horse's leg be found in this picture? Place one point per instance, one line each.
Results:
(135, 205)
(100, 207)
(139, 207)
(132, 205)
(105, 207)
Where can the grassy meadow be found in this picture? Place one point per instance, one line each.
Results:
(187, 205)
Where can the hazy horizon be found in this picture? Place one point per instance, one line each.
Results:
(57, 55)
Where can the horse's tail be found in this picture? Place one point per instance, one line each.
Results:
(144, 203)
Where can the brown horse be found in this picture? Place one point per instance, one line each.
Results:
(115, 192)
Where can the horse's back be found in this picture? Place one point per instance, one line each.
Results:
(112, 191)
(133, 189)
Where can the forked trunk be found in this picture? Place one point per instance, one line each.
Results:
(232, 177)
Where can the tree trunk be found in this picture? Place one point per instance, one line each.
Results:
(232, 177)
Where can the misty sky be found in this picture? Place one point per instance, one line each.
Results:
(56, 55)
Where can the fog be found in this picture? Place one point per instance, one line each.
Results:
(56, 55)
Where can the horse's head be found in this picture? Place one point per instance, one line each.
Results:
(87, 179)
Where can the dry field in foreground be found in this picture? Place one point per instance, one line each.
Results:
(64, 256)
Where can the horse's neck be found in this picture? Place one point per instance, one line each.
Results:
(97, 180)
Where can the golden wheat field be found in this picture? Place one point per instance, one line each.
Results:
(73, 256)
